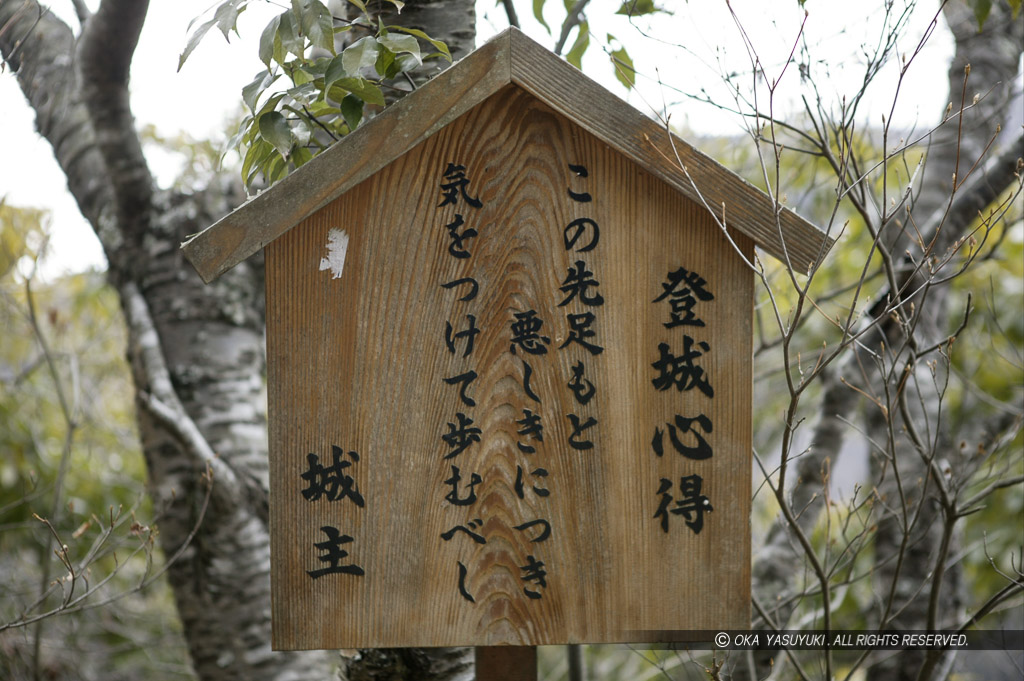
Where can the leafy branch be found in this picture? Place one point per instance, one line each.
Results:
(336, 69)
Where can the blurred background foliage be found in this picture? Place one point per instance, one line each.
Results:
(986, 387)
(76, 526)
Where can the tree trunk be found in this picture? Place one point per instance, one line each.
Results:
(196, 352)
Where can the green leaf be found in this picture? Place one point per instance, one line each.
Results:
(399, 5)
(193, 41)
(364, 89)
(250, 132)
(360, 4)
(290, 36)
(275, 130)
(438, 45)
(254, 158)
(280, 54)
(275, 168)
(335, 93)
(402, 44)
(352, 111)
(623, 65)
(267, 39)
(317, 67)
(981, 11)
(538, 14)
(321, 108)
(301, 77)
(251, 92)
(385, 65)
(235, 142)
(303, 94)
(359, 55)
(407, 62)
(335, 71)
(301, 156)
(271, 103)
(636, 8)
(1015, 6)
(226, 16)
(302, 129)
(575, 55)
(317, 24)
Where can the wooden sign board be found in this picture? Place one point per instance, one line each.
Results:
(509, 383)
(509, 356)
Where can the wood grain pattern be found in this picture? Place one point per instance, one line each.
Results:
(785, 235)
(359, 362)
(509, 58)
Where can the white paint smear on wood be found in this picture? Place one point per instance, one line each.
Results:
(337, 247)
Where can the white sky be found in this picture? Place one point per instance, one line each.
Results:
(684, 52)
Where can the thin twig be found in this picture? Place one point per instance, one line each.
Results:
(82, 11)
(571, 21)
(510, 11)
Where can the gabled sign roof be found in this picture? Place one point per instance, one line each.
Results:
(509, 59)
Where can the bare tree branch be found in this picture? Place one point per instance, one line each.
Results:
(40, 48)
(976, 194)
(82, 11)
(105, 52)
(510, 11)
(572, 20)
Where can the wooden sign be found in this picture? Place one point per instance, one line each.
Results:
(509, 382)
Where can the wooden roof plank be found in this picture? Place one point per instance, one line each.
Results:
(511, 57)
(368, 149)
(698, 177)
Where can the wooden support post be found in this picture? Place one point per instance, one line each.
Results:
(506, 663)
(575, 653)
